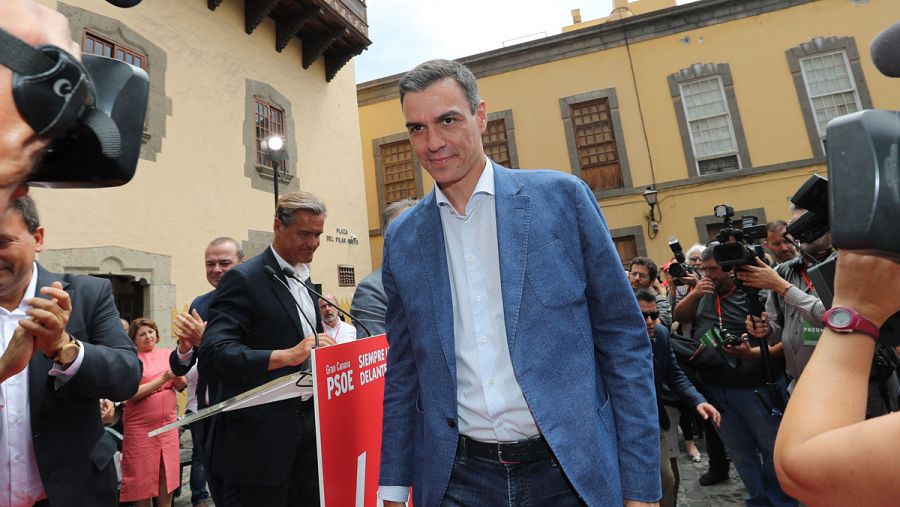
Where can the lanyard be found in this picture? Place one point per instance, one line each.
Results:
(809, 285)
(719, 307)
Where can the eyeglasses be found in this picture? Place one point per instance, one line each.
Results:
(640, 276)
(694, 259)
(652, 315)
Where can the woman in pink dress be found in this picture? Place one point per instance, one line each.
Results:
(150, 466)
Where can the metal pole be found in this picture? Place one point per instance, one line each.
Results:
(275, 180)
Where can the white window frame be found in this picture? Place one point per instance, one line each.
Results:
(850, 77)
(688, 120)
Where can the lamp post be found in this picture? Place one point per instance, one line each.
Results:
(275, 151)
(650, 195)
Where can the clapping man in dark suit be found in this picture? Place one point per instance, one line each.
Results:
(256, 333)
(63, 350)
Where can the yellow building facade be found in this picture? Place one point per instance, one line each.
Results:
(222, 74)
(711, 102)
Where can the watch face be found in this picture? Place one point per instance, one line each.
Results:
(841, 318)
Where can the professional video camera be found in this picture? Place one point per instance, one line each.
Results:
(92, 110)
(679, 268)
(737, 247)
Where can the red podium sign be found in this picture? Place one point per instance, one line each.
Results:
(348, 382)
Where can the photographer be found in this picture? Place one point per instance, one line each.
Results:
(20, 147)
(794, 316)
(642, 274)
(734, 378)
(832, 456)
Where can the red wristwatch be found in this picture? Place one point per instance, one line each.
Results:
(845, 320)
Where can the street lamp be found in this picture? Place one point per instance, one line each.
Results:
(273, 146)
(650, 195)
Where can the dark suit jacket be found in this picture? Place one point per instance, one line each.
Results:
(370, 304)
(201, 304)
(590, 388)
(74, 455)
(251, 316)
(666, 370)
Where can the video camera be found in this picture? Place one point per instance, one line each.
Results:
(737, 247)
(679, 268)
(92, 111)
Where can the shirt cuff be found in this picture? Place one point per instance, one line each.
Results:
(63, 376)
(185, 358)
(394, 493)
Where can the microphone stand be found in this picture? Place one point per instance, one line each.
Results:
(288, 272)
(268, 270)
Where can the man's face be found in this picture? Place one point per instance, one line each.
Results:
(694, 259)
(721, 279)
(297, 242)
(444, 134)
(782, 249)
(639, 276)
(328, 312)
(647, 308)
(820, 247)
(17, 249)
(219, 259)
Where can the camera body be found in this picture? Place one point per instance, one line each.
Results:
(737, 246)
(679, 268)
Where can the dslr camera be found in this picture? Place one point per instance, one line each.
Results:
(679, 268)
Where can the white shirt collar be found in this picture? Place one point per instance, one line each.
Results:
(485, 185)
(301, 270)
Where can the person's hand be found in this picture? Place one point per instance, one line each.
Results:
(758, 327)
(867, 285)
(188, 328)
(168, 375)
(179, 383)
(762, 276)
(300, 352)
(47, 319)
(709, 412)
(742, 350)
(704, 286)
(107, 412)
(17, 354)
(19, 144)
(689, 279)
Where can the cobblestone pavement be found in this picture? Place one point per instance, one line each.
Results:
(690, 493)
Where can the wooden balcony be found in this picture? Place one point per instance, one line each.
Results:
(335, 30)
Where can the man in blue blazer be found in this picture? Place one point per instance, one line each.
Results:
(519, 370)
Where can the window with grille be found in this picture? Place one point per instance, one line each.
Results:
(626, 246)
(496, 144)
(710, 125)
(399, 171)
(595, 143)
(268, 121)
(96, 45)
(346, 276)
(830, 87)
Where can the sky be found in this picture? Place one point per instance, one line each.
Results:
(405, 33)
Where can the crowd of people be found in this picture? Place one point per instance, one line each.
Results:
(525, 368)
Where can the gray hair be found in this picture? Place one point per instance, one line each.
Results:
(707, 254)
(27, 209)
(696, 247)
(393, 210)
(291, 203)
(239, 250)
(432, 71)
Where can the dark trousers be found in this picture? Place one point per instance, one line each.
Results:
(198, 463)
(299, 489)
(476, 481)
(718, 457)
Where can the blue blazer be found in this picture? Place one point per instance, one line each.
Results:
(578, 344)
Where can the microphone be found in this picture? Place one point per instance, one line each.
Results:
(288, 272)
(268, 270)
(885, 50)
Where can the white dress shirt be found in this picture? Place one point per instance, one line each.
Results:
(300, 293)
(342, 332)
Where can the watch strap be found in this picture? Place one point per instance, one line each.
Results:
(857, 324)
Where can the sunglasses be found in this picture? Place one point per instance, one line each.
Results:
(652, 315)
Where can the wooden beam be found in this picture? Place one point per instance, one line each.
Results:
(335, 62)
(315, 47)
(255, 11)
(288, 27)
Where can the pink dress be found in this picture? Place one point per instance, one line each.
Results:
(141, 454)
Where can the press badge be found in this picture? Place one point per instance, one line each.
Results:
(711, 337)
(811, 334)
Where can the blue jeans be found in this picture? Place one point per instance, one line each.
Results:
(476, 481)
(748, 431)
(198, 470)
